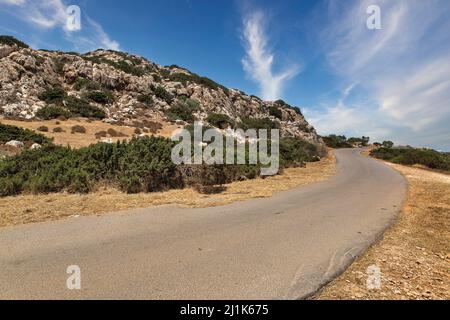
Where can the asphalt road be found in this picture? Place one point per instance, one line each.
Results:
(285, 247)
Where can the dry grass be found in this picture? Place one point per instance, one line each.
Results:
(38, 208)
(414, 255)
(79, 140)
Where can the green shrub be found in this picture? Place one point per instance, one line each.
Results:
(121, 65)
(145, 99)
(53, 112)
(336, 142)
(83, 83)
(410, 156)
(294, 151)
(192, 77)
(9, 133)
(275, 112)
(162, 94)
(257, 123)
(58, 65)
(10, 41)
(10, 186)
(53, 95)
(219, 120)
(82, 108)
(183, 109)
(102, 97)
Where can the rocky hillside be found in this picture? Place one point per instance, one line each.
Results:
(121, 88)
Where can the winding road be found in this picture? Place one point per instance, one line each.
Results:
(285, 247)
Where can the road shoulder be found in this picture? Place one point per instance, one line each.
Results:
(414, 255)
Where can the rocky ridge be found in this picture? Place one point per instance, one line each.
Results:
(138, 89)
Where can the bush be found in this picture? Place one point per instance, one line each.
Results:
(9, 133)
(275, 112)
(102, 97)
(183, 109)
(336, 142)
(10, 41)
(256, 123)
(83, 83)
(101, 134)
(78, 129)
(220, 120)
(82, 108)
(295, 152)
(162, 94)
(43, 129)
(192, 77)
(58, 130)
(115, 134)
(122, 65)
(410, 156)
(53, 95)
(53, 112)
(145, 99)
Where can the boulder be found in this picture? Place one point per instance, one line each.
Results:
(16, 144)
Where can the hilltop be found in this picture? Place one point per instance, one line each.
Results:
(125, 89)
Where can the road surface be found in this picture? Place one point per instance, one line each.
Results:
(285, 247)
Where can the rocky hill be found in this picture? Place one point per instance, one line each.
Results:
(121, 88)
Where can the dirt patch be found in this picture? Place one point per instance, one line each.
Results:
(414, 256)
(61, 131)
(38, 208)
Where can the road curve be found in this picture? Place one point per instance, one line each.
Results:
(285, 247)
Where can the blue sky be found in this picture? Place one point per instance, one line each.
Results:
(392, 83)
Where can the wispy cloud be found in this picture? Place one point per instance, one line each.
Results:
(405, 67)
(259, 60)
(51, 14)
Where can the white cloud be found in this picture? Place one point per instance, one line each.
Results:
(258, 62)
(404, 67)
(50, 14)
(13, 2)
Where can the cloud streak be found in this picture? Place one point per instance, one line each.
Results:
(404, 68)
(259, 59)
(51, 14)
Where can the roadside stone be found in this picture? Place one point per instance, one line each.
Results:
(16, 144)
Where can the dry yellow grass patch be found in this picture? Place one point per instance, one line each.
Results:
(82, 140)
(38, 208)
(414, 255)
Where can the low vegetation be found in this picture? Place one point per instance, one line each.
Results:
(163, 94)
(410, 156)
(183, 109)
(139, 165)
(276, 112)
(10, 41)
(257, 123)
(339, 142)
(10, 133)
(128, 66)
(145, 99)
(59, 104)
(220, 120)
(192, 77)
